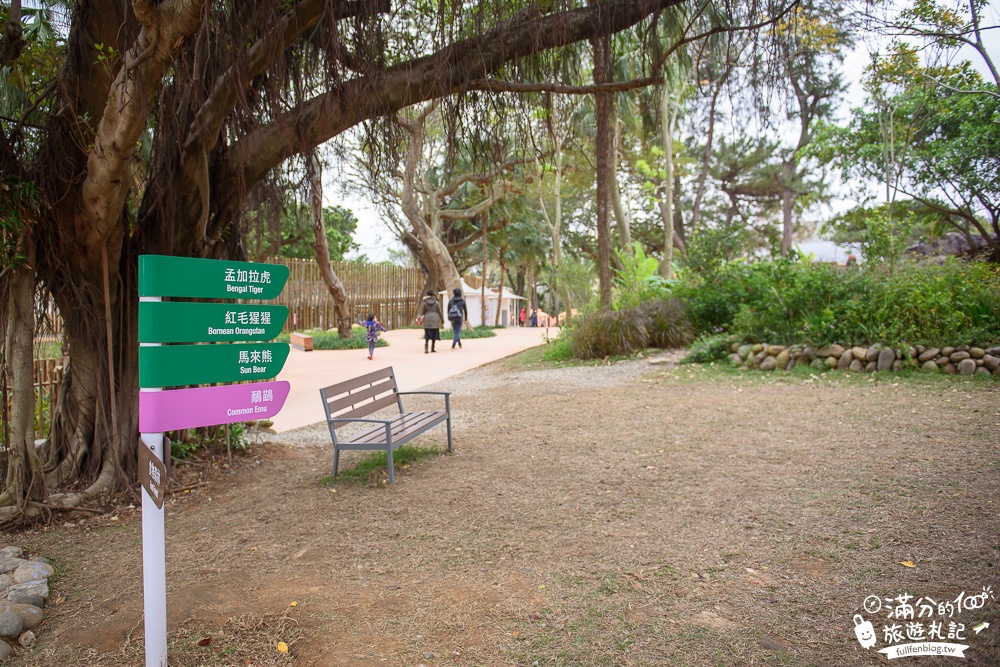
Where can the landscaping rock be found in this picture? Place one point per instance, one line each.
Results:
(733, 347)
(768, 364)
(26, 639)
(929, 354)
(995, 351)
(977, 352)
(873, 352)
(949, 368)
(856, 366)
(831, 363)
(808, 354)
(921, 349)
(735, 359)
(897, 365)
(830, 351)
(744, 351)
(40, 559)
(758, 348)
(29, 613)
(5, 651)
(40, 587)
(958, 356)
(991, 362)
(996, 373)
(860, 353)
(929, 366)
(942, 361)
(962, 348)
(966, 367)
(946, 351)
(32, 571)
(983, 371)
(908, 352)
(782, 358)
(6, 581)
(871, 366)
(11, 552)
(29, 599)
(11, 624)
(8, 565)
(979, 362)
(845, 360)
(775, 350)
(821, 364)
(886, 358)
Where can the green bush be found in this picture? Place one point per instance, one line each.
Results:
(954, 303)
(331, 340)
(709, 347)
(667, 323)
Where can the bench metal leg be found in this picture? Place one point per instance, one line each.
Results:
(449, 431)
(336, 459)
(392, 471)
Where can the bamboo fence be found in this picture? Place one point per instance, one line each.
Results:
(48, 375)
(391, 292)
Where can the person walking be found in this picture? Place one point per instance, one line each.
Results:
(372, 327)
(521, 321)
(457, 314)
(429, 318)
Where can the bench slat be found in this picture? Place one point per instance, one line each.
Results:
(368, 408)
(404, 426)
(357, 398)
(354, 383)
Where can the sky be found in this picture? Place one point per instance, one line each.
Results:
(376, 239)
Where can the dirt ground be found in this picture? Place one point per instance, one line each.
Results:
(622, 515)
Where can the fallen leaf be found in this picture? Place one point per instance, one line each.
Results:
(907, 563)
(293, 604)
(205, 641)
(282, 647)
(772, 644)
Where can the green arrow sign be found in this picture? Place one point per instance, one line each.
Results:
(176, 365)
(185, 322)
(163, 275)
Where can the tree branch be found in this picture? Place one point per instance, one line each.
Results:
(498, 86)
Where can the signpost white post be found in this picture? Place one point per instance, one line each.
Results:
(154, 554)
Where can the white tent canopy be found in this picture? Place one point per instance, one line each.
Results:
(507, 304)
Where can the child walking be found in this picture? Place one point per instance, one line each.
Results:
(372, 326)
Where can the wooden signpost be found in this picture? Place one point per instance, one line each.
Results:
(238, 356)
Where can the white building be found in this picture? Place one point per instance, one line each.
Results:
(509, 305)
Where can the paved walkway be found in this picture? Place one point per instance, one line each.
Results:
(308, 372)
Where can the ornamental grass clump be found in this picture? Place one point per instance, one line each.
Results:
(667, 323)
(599, 335)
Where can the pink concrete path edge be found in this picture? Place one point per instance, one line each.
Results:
(308, 372)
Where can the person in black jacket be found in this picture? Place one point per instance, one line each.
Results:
(457, 313)
(430, 317)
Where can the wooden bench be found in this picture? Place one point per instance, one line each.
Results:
(352, 401)
(302, 341)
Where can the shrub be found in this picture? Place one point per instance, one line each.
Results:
(667, 323)
(599, 335)
(710, 347)
(953, 303)
(331, 340)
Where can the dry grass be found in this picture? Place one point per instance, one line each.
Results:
(617, 515)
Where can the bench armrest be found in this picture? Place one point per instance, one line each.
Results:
(446, 394)
(337, 420)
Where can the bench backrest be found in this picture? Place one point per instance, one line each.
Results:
(361, 396)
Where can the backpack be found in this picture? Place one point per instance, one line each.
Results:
(454, 311)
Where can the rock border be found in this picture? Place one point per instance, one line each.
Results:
(24, 590)
(953, 360)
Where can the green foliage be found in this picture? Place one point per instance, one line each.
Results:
(788, 302)
(710, 347)
(331, 340)
(374, 467)
(558, 349)
(478, 332)
(637, 280)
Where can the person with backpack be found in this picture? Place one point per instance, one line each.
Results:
(457, 314)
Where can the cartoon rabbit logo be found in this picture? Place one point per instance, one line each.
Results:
(865, 631)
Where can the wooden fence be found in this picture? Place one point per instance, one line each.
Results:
(48, 375)
(391, 292)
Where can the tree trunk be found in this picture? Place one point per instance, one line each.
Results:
(500, 297)
(314, 171)
(25, 481)
(667, 129)
(621, 215)
(787, 205)
(482, 300)
(602, 104)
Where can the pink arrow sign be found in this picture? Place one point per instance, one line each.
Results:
(178, 409)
